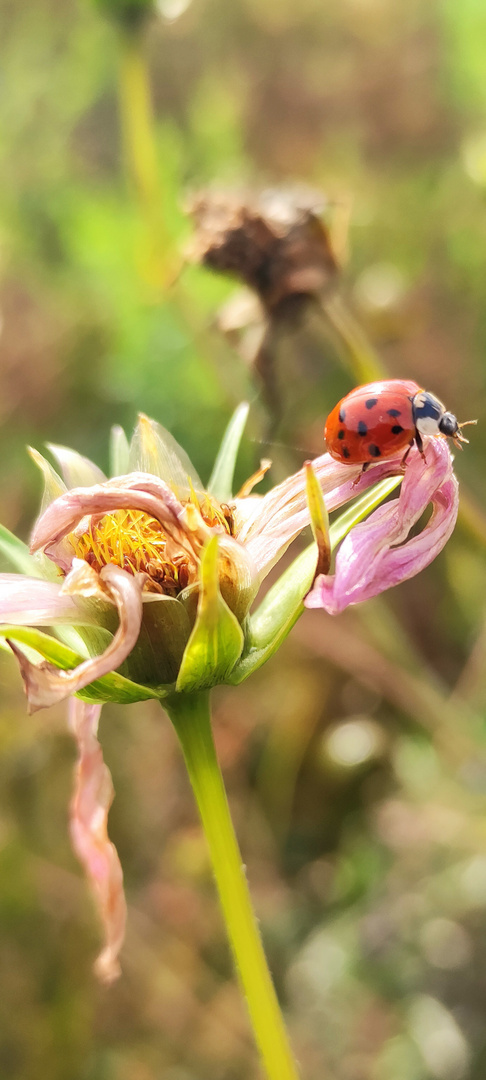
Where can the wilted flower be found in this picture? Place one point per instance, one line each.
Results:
(126, 557)
(147, 580)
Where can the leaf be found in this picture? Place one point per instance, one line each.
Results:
(221, 481)
(17, 554)
(217, 639)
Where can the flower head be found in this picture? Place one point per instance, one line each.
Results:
(125, 561)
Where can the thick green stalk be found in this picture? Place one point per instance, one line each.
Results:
(191, 718)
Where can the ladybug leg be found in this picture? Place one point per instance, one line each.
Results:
(363, 470)
(420, 445)
(405, 456)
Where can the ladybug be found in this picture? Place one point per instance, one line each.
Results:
(379, 419)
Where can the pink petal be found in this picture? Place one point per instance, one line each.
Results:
(276, 519)
(32, 602)
(92, 798)
(376, 554)
(136, 492)
(46, 684)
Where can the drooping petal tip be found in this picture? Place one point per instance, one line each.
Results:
(90, 804)
(378, 553)
(45, 684)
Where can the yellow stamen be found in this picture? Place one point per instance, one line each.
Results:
(137, 542)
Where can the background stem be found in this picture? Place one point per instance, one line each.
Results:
(191, 718)
(140, 154)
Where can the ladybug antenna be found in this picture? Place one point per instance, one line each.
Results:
(459, 438)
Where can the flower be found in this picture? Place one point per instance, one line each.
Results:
(125, 557)
(146, 581)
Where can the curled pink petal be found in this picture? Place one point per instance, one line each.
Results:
(376, 554)
(92, 798)
(268, 525)
(46, 684)
(125, 493)
(32, 602)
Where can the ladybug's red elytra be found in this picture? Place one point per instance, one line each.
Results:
(379, 419)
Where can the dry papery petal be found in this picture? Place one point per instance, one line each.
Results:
(32, 602)
(267, 527)
(377, 554)
(134, 492)
(46, 684)
(92, 798)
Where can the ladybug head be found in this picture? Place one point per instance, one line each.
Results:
(448, 425)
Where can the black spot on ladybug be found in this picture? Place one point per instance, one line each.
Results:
(341, 433)
(374, 450)
(362, 428)
(345, 452)
(397, 429)
(393, 412)
(371, 402)
(342, 414)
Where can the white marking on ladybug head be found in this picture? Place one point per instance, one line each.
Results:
(427, 413)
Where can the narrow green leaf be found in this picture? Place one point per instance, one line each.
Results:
(217, 638)
(284, 602)
(17, 554)
(112, 687)
(221, 481)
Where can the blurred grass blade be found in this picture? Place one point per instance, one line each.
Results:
(221, 481)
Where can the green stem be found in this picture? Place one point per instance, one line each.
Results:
(190, 715)
(140, 151)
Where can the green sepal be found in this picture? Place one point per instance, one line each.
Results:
(268, 627)
(119, 451)
(54, 485)
(217, 639)
(111, 687)
(221, 480)
(319, 519)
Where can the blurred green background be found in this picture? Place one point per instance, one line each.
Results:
(355, 761)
